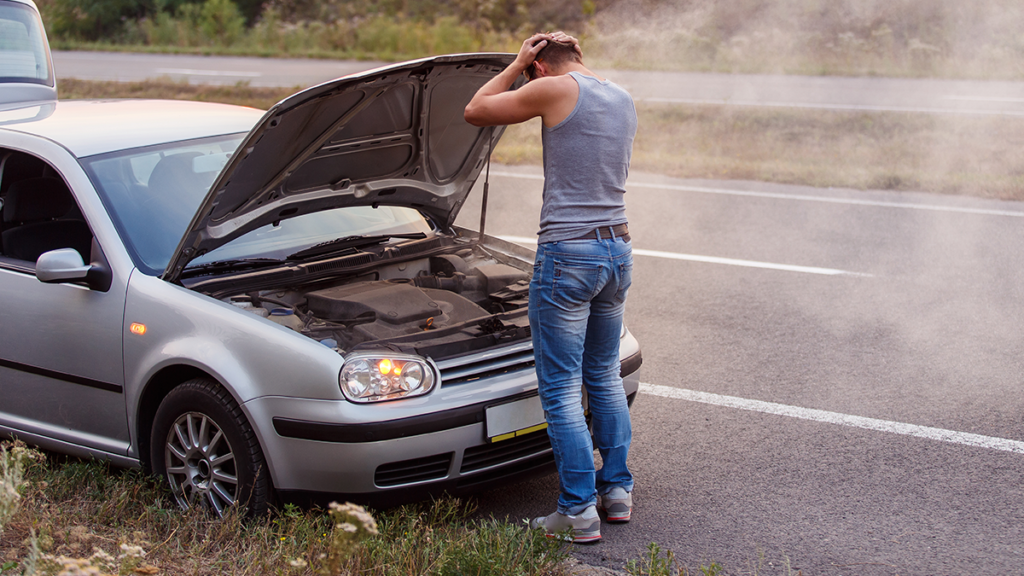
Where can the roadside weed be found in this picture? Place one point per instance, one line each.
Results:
(439, 539)
(656, 563)
(15, 457)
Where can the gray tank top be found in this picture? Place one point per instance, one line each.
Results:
(586, 161)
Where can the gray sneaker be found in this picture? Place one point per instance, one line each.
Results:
(617, 504)
(583, 527)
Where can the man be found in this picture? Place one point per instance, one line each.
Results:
(583, 269)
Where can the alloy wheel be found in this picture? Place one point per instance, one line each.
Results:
(200, 463)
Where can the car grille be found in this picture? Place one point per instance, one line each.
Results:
(415, 470)
(487, 364)
(488, 455)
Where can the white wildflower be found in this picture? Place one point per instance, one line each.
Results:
(128, 551)
(103, 560)
(355, 512)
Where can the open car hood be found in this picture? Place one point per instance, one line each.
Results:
(391, 136)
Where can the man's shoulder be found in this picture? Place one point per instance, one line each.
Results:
(560, 81)
(553, 88)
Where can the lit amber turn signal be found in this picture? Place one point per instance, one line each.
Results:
(384, 366)
(137, 329)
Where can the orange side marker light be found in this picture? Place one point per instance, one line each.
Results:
(137, 329)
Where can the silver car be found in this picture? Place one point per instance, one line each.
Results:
(26, 70)
(277, 305)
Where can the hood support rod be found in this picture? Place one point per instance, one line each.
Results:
(487, 185)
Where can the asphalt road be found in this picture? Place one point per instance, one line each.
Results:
(883, 94)
(832, 378)
(861, 360)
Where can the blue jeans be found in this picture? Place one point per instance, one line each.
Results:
(577, 298)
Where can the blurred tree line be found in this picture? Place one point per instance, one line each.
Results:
(952, 38)
(108, 20)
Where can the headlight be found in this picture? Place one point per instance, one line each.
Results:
(369, 377)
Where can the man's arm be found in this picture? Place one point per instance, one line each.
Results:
(494, 105)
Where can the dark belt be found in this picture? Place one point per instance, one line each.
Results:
(618, 231)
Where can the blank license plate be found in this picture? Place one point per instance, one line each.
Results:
(506, 421)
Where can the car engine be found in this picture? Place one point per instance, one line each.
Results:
(439, 306)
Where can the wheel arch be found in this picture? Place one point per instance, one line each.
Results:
(156, 389)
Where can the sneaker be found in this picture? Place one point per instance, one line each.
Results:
(617, 504)
(583, 527)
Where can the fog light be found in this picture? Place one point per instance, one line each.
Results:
(367, 377)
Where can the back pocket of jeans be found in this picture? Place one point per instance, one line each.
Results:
(574, 284)
(625, 279)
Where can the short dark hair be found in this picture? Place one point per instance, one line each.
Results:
(556, 54)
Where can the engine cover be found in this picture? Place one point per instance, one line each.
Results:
(394, 303)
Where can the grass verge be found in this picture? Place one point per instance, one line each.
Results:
(959, 155)
(121, 521)
(950, 154)
(240, 94)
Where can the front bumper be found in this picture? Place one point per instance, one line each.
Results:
(314, 460)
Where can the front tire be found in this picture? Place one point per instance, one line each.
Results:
(203, 445)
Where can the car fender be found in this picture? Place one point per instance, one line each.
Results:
(167, 326)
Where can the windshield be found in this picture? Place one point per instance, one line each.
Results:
(152, 194)
(294, 234)
(22, 46)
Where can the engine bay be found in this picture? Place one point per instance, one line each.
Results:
(440, 305)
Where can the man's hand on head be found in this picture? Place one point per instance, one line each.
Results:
(552, 98)
(531, 47)
(563, 38)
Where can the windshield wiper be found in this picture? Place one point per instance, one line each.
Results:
(350, 243)
(230, 265)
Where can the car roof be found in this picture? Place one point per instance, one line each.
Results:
(90, 127)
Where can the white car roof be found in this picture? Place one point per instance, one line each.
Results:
(90, 127)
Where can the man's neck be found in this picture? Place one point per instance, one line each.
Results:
(577, 67)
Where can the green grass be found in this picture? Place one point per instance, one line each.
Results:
(239, 95)
(71, 509)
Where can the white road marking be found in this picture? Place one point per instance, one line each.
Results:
(939, 434)
(853, 107)
(985, 99)
(801, 197)
(715, 260)
(748, 263)
(192, 72)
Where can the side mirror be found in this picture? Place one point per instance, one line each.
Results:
(66, 265)
(62, 265)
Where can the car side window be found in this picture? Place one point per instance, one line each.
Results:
(38, 213)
